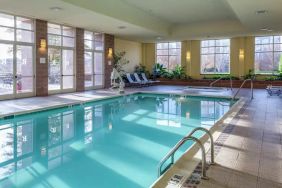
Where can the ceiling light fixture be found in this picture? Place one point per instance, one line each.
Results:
(158, 38)
(261, 12)
(266, 29)
(121, 27)
(56, 8)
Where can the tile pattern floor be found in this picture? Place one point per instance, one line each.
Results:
(250, 155)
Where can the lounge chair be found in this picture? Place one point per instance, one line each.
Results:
(140, 81)
(274, 90)
(146, 79)
(131, 82)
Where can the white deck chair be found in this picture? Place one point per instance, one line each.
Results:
(146, 79)
(131, 82)
(139, 80)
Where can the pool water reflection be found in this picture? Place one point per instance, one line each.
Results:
(110, 143)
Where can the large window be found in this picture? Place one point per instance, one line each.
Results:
(93, 59)
(16, 56)
(60, 57)
(268, 54)
(215, 56)
(169, 54)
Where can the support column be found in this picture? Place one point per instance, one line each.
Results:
(80, 59)
(109, 41)
(41, 78)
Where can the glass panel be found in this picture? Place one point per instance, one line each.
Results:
(211, 42)
(264, 48)
(24, 84)
(88, 35)
(98, 37)
(7, 20)
(68, 42)
(6, 143)
(68, 125)
(88, 44)
(162, 46)
(6, 69)
(277, 39)
(68, 82)
(222, 62)
(54, 40)
(263, 63)
(99, 80)
(162, 52)
(222, 49)
(264, 40)
(68, 62)
(7, 34)
(204, 43)
(54, 59)
(174, 52)
(54, 29)
(277, 47)
(173, 61)
(25, 36)
(88, 82)
(277, 62)
(88, 63)
(54, 122)
(24, 61)
(163, 60)
(24, 137)
(207, 65)
(223, 42)
(98, 63)
(98, 45)
(68, 31)
(24, 23)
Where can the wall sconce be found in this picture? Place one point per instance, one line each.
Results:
(241, 54)
(43, 44)
(188, 56)
(110, 53)
(110, 56)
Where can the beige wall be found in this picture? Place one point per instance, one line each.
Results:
(133, 52)
(238, 66)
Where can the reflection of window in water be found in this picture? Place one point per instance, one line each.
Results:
(20, 136)
(211, 111)
(61, 130)
(98, 116)
(169, 113)
(88, 124)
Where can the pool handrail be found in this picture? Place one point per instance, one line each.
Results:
(183, 141)
(252, 88)
(217, 80)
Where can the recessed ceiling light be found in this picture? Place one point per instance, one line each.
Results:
(56, 8)
(122, 27)
(158, 38)
(266, 29)
(261, 12)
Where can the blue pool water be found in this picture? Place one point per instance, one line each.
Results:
(111, 143)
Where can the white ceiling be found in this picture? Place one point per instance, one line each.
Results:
(145, 20)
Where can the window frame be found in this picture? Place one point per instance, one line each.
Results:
(15, 43)
(168, 53)
(61, 47)
(215, 55)
(273, 51)
(94, 51)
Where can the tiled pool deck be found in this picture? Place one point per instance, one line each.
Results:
(249, 151)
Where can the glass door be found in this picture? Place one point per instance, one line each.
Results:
(16, 57)
(6, 71)
(24, 70)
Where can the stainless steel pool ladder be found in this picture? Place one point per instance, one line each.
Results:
(252, 88)
(217, 80)
(183, 141)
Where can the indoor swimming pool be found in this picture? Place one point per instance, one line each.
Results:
(115, 142)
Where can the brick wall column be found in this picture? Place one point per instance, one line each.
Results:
(80, 59)
(41, 78)
(109, 43)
